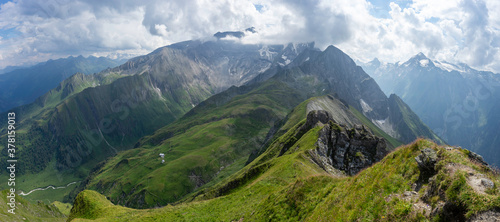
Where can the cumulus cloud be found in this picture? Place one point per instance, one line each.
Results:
(454, 30)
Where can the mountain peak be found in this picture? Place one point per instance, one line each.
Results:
(375, 62)
(330, 48)
(237, 34)
(419, 56)
(420, 60)
(333, 50)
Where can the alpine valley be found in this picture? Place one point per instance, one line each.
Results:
(248, 132)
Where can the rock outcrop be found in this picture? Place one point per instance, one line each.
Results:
(478, 158)
(426, 161)
(346, 149)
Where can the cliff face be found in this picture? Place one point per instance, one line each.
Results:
(346, 149)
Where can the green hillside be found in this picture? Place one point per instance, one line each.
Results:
(291, 186)
(27, 211)
(203, 146)
(105, 131)
(218, 136)
(65, 133)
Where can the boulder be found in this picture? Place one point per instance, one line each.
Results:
(317, 116)
(488, 184)
(486, 216)
(426, 160)
(478, 158)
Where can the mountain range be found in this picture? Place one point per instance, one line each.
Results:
(219, 134)
(202, 128)
(457, 102)
(87, 118)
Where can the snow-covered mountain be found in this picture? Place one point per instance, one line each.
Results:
(458, 102)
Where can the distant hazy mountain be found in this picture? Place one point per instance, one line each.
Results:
(10, 69)
(23, 85)
(459, 103)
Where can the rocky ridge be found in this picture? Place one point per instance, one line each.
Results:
(347, 149)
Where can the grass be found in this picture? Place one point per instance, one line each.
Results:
(49, 176)
(69, 120)
(27, 211)
(200, 149)
(410, 124)
(291, 187)
(65, 208)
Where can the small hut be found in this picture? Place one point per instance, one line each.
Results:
(162, 155)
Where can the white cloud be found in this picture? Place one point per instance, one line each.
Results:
(453, 30)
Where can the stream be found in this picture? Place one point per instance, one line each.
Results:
(48, 187)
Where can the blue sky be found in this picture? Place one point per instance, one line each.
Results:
(454, 30)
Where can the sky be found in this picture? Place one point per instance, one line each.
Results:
(457, 31)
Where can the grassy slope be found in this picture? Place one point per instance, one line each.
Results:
(26, 211)
(218, 141)
(49, 176)
(77, 104)
(201, 147)
(291, 187)
(65, 208)
(409, 123)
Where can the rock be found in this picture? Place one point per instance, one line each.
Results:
(477, 157)
(485, 216)
(407, 193)
(317, 116)
(450, 148)
(348, 150)
(487, 183)
(427, 160)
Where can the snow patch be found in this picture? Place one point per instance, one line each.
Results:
(287, 61)
(365, 106)
(263, 69)
(386, 126)
(448, 66)
(424, 62)
(158, 91)
(307, 59)
(264, 52)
